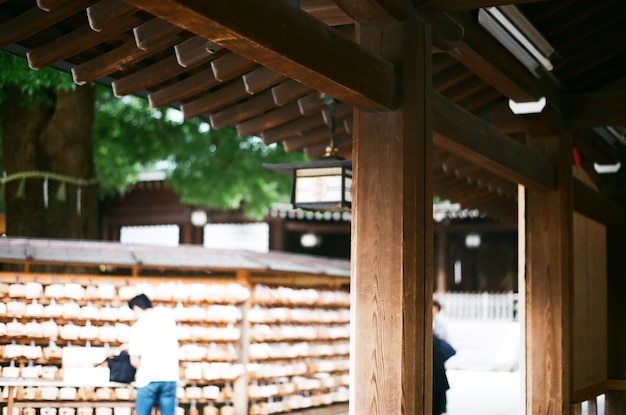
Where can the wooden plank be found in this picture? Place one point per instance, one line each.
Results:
(341, 111)
(482, 100)
(154, 32)
(261, 79)
(596, 109)
(594, 147)
(391, 275)
(196, 49)
(489, 60)
(471, 138)
(112, 61)
(252, 107)
(450, 77)
(105, 12)
(289, 91)
(293, 128)
(311, 104)
(374, 11)
(148, 76)
(184, 89)
(35, 20)
(48, 5)
(446, 32)
(77, 41)
(269, 120)
(215, 101)
(616, 384)
(597, 206)
(298, 59)
(311, 138)
(549, 285)
(438, 6)
(327, 12)
(231, 65)
(465, 89)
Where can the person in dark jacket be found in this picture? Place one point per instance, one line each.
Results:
(442, 351)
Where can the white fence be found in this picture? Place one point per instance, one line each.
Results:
(485, 306)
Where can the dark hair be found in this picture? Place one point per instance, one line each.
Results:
(437, 304)
(142, 301)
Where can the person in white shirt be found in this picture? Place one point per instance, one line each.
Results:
(153, 350)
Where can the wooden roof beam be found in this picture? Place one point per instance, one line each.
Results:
(342, 142)
(431, 6)
(216, 100)
(311, 104)
(231, 65)
(489, 60)
(596, 206)
(590, 144)
(257, 105)
(48, 5)
(249, 108)
(188, 87)
(482, 99)
(77, 41)
(35, 20)
(450, 77)
(326, 11)
(376, 88)
(116, 60)
(154, 32)
(464, 89)
(293, 128)
(196, 49)
(289, 91)
(309, 139)
(471, 138)
(595, 109)
(261, 79)
(269, 120)
(105, 12)
(149, 76)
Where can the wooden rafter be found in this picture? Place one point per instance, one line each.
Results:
(468, 137)
(596, 109)
(320, 56)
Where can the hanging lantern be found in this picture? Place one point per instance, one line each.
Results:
(324, 184)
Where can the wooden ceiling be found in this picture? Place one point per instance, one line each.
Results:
(264, 68)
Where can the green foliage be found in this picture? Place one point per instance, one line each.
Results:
(227, 172)
(212, 168)
(35, 86)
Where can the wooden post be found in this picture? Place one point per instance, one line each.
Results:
(615, 402)
(391, 279)
(549, 250)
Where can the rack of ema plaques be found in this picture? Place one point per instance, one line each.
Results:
(40, 322)
(259, 350)
(299, 348)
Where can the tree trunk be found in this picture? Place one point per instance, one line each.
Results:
(51, 139)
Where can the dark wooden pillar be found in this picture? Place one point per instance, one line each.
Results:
(616, 313)
(277, 234)
(549, 250)
(391, 283)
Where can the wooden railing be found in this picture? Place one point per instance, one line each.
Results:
(486, 306)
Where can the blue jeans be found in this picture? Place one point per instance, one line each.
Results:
(161, 394)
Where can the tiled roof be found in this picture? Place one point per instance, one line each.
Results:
(184, 257)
